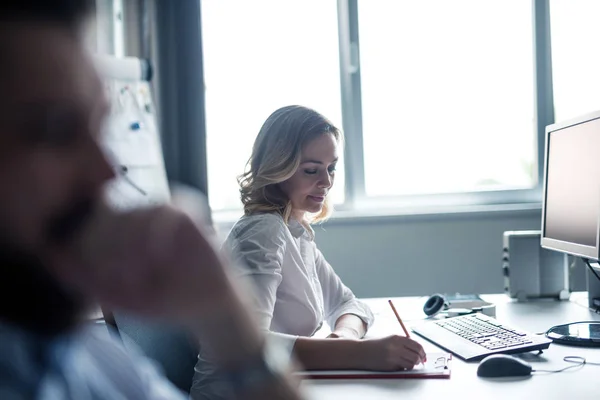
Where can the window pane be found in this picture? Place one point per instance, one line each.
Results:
(447, 96)
(259, 56)
(575, 57)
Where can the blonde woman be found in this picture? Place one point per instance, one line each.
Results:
(284, 191)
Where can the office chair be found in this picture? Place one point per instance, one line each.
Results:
(174, 351)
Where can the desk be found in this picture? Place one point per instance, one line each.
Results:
(534, 316)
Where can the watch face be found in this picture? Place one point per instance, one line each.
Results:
(255, 373)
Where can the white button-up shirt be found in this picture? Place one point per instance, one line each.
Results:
(295, 288)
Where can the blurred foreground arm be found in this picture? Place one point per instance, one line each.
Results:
(159, 263)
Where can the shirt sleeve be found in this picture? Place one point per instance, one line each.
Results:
(258, 249)
(99, 364)
(338, 298)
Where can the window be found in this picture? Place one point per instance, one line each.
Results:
(260, 56)
(575, 57)
(447, 96)
(439, 97)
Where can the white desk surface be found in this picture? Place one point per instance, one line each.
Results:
(534, 316)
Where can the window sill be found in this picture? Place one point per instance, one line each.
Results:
(427, 213)
(375, 215)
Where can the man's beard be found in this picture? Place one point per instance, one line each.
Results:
(33, 299)
(30, 296)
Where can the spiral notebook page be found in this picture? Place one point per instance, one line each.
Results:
(438, 365)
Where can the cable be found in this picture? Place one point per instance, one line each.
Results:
(587, 262)
(572, 267)
(577, 360)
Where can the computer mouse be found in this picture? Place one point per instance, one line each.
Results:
(502, 365)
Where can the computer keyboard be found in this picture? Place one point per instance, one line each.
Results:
(475, 336)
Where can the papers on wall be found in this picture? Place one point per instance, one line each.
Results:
(133, 145)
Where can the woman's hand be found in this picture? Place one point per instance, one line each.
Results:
(391, 353)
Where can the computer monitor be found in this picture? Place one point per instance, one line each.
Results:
(571, 209)
(571, 197)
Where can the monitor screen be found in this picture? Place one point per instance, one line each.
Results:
(571, 204)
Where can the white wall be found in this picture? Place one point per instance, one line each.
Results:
(423, 254)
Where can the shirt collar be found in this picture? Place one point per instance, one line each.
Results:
(298, 229)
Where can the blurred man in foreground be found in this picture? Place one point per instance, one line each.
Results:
(62, 248)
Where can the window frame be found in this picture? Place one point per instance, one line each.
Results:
(356, 200)
(356, 197)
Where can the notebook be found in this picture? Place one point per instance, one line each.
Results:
(438, 366)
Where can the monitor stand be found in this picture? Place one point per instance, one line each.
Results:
(584, 333)
(593, 286)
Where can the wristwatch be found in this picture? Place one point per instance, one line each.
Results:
(269, 364)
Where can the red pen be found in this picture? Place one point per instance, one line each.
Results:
(401, 323)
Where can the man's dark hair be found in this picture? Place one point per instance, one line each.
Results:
(70, 13)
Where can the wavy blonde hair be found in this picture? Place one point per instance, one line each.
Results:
(276, 156)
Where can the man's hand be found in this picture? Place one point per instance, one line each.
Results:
(159, 263)
(155, 262)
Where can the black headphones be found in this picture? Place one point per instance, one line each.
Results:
(434, 305)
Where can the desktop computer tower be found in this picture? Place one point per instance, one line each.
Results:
(531, 271)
